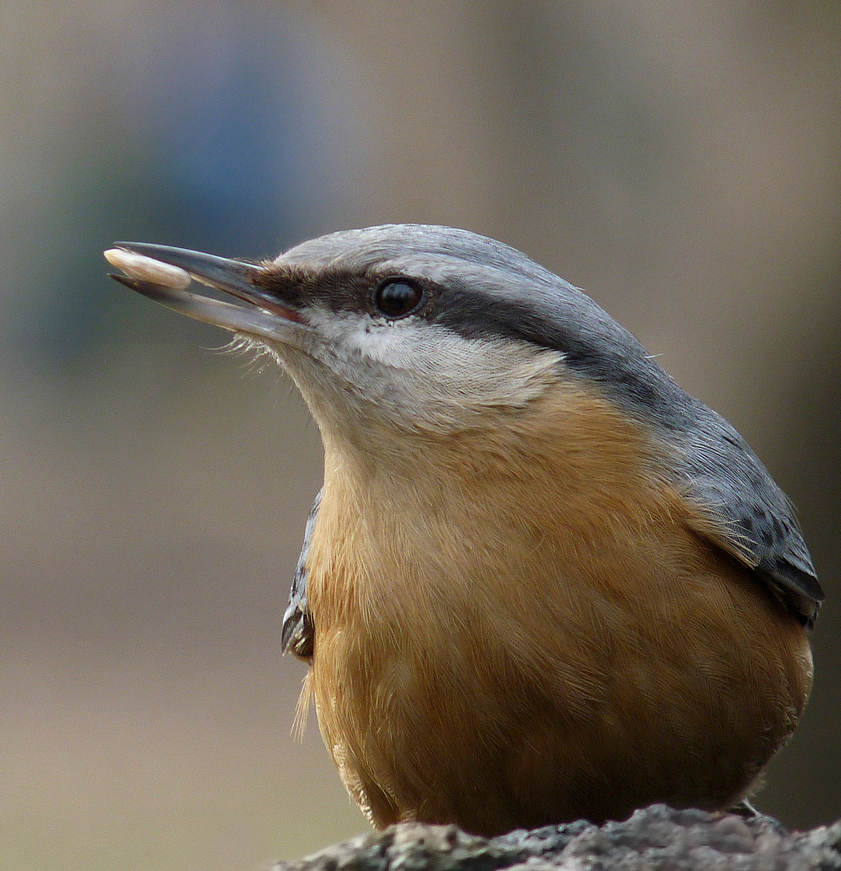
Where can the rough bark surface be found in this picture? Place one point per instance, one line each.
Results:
(657, 837)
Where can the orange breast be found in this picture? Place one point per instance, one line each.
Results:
(517, 626)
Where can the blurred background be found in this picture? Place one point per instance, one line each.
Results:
(680, 161)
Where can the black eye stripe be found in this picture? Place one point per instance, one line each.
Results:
(397, 298)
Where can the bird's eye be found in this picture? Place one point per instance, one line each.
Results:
(397, 299)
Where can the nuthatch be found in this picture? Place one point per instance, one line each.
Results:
(541, 581)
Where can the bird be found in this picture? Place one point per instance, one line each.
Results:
(541, 581)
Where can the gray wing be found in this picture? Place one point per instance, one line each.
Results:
(297, 633)
(748, 515)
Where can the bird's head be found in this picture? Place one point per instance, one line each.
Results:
(412, 328)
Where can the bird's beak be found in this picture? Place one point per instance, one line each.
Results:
(164, 274)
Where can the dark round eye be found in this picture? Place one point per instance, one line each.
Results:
(396, 299)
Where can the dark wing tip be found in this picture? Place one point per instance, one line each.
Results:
(798, 590)
(297, 634)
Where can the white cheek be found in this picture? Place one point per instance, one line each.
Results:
(378, 340)
(419, 374)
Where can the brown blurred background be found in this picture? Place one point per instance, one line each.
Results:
(680, 161)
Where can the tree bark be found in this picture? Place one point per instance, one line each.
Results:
(657, 837)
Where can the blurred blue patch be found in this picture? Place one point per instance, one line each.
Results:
(223, 128)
